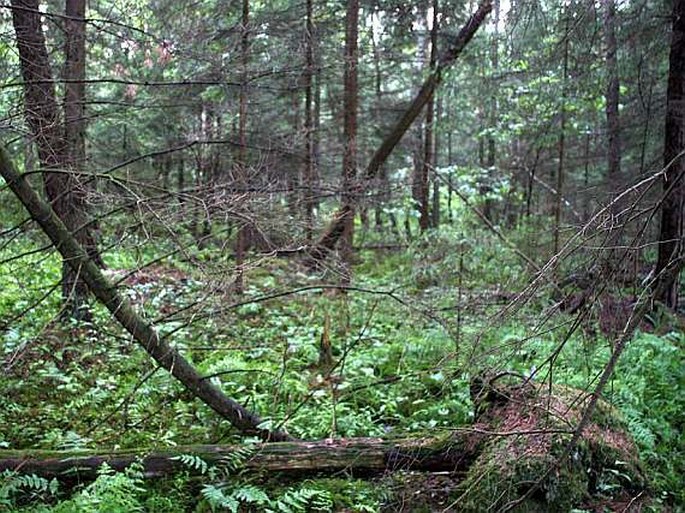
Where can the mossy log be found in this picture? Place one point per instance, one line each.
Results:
(357, 455)
(517, 456)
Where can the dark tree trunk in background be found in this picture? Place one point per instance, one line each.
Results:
(350, 130)
(612, 96)
(326, 243)
(614, 260)
(670, 237)
(242, 239)
(488, 147)
(429, 142)
(558, 203)
(381, 185)
(309, 159)
(61, 148)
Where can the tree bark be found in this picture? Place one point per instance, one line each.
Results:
(122, 310)
(327, 242)
(309, 160)
(429, 142)
(612, 95)
(61, 148)
(242, 239)
(435, 209)
(671, 233)
(562, 146)
(356, 455)
(351, 101)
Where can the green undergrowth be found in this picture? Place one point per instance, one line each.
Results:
(404, 344)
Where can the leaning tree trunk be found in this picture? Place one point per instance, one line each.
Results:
(670, 237)
(333, 232)
(122, 309)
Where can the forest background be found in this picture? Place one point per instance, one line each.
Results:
(325, 220)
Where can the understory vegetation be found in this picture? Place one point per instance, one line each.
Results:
(405, 340)
(323, 256)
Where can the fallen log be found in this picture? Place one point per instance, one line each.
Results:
(357, 455)
(513, 455)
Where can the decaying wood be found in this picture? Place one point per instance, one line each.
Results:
(123, 311)
(357, 455)
(333, 232)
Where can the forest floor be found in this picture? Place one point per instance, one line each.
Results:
(392, 355)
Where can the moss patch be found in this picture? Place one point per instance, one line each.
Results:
(524, 464)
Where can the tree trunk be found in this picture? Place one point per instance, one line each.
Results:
(562, 140)
(326, 242)
(356, 455)
(435, 209)
(309, 123)
(612, 97)
(351, 101)
(428, 145)
(61, 149)
(242, 238)
(671, 234)
(122, 309)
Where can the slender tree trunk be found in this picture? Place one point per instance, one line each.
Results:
(586, 178)
(242, 239)
(428, 145)
(309, 123)
(450, 214)
(612, 95)
(316, 135)
(350, 130)
(295, 175)
(488, 147)
(531, 181)
(562, 143)
(671, 234)
(492, 110)
(382, 187)
(435, 210)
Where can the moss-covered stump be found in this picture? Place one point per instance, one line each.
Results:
(524, 463)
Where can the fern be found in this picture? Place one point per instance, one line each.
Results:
(302, 500)
(235, 460)
(251, 494)
(12, 483)
(216, 498)
(111, 492)
(193, 462)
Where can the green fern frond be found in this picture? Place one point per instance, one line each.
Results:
(193, 462)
